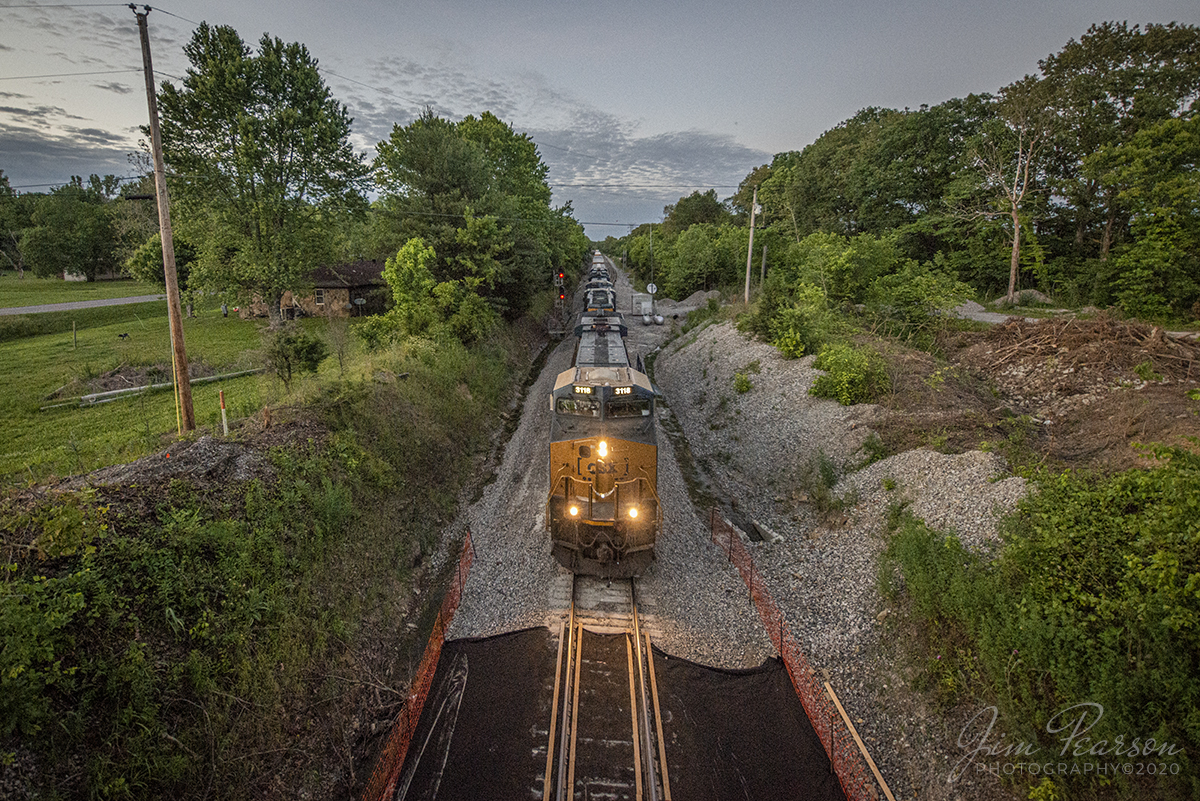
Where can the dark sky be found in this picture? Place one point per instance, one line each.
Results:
(632, 104)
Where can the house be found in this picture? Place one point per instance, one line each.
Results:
(345, 290)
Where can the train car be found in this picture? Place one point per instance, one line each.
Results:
(603, 510)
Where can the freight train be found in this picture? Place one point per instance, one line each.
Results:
(603, 510)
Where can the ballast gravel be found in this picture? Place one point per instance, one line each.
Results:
(752, 451)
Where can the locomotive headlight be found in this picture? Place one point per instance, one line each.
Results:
(574, 511)
(633, 511)
(603, 449)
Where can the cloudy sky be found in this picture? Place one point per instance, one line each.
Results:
(632, 104)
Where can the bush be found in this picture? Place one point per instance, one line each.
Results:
(804, 326)
(293, 350)
(1093, 599)
(852, 375)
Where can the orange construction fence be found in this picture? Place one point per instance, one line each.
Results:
(382, 783)
(847, 761)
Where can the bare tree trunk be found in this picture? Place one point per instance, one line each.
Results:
(1015, 266)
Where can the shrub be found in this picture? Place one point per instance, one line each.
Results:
(804, 326)
(852, 375)
(293, 350)
(1092, 599)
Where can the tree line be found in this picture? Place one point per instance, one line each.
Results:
(1079, 180)
(266, 186)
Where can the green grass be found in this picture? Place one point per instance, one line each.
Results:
(32, 291)
(68, 440)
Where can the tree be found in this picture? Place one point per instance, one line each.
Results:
(16, 212)
(1009, 155)
(475, 191)
(695, 209)
(1111, 84)
(146, 263)
(290, 349)
(71, 231)
(1156, 175)
(262, 162)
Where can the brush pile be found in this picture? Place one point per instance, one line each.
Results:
(1051, 367)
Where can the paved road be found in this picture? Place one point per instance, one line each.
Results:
(81, 304)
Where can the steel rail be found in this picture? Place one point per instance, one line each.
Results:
(651, 784)
(558, 671)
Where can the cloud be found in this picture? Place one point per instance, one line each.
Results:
(36, 159)
(596, 160)
(115, 88)
(45, 116)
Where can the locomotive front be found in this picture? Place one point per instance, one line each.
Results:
(603, 511)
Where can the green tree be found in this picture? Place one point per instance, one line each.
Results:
(72, 232)
(16, 212)
(1157, 177)
(290, 350)
(146, 263)
(1115, 81)
(262, 161)
(476, 192)
(695, 209)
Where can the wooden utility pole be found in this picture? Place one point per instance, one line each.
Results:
(185, 416)
(750, 247)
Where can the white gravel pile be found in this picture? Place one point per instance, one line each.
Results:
(753, 448)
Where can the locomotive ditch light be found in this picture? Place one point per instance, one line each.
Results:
(633, 511)
(574, 510)
(603, 449)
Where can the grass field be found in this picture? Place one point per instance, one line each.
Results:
(32, 291)
(69, 440)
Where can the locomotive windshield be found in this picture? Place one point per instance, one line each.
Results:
(581, 407)
(628, 407)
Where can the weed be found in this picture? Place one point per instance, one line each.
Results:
(1146, 372)
(873, 450)
(889, 484)
(817, 478)
(852, 375)
(741, 383)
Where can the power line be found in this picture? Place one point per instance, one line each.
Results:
(71, 5)
(63, 75)
(649, 186)
(381, 90)
(169, 14)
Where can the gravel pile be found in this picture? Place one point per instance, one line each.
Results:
(759, 452)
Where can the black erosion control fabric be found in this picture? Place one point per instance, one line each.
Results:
(730, 734)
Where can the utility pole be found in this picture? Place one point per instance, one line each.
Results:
(185, 417)
(750, 247)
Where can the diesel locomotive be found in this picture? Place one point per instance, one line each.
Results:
(603, 509)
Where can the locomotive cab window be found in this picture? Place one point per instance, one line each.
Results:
(629, 407)
(579, 406)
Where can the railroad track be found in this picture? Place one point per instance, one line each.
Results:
(605, 733)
